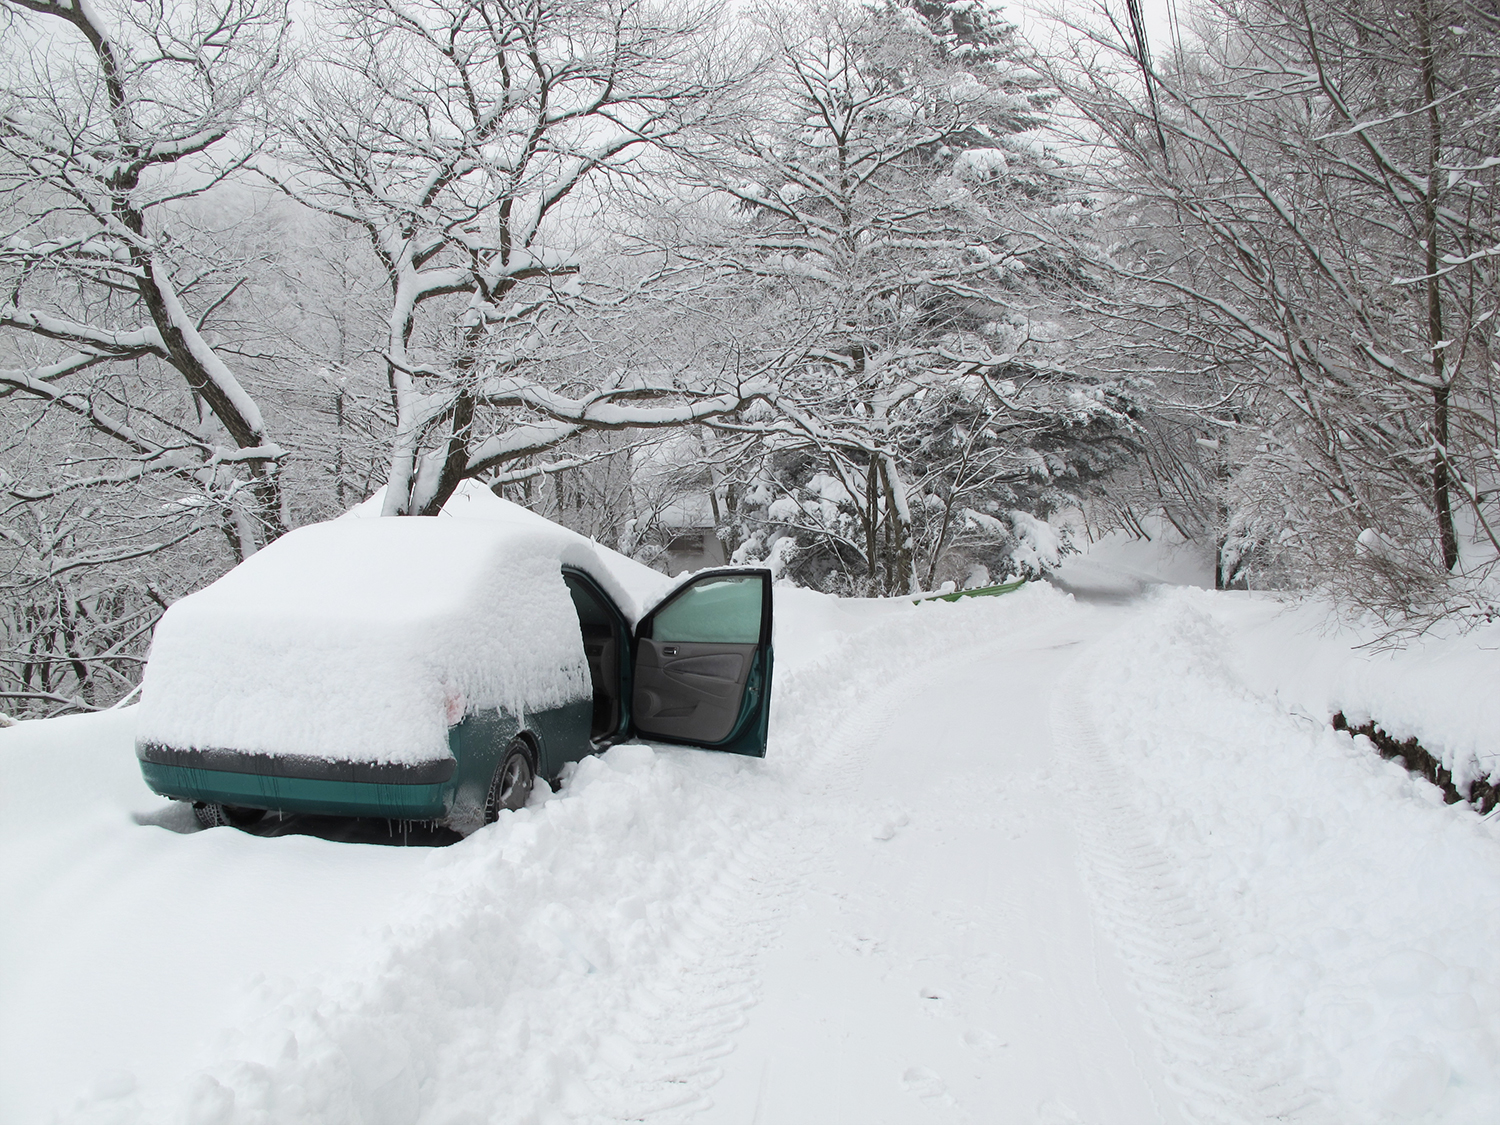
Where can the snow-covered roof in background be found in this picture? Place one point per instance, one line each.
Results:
(364, 637)
(691, 510)
(664, 455)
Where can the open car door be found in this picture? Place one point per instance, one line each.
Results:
(702, 664)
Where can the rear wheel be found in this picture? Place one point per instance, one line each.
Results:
(213, 815)
(511, 788)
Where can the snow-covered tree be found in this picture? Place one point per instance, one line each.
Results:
(456, 134)
(137, 459)
(113, 115)
(1322, 192)
(901, 243)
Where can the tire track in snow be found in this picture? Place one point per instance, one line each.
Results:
(818, 760)
(836, 807)
(658, 1060)
(824, 769)
(1169, 944)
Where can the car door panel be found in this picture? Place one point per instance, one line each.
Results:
(702, 663)
(690, 692)
(726, 669)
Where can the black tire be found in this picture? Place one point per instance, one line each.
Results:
(213, 815)
(511, 787)
(241, 817)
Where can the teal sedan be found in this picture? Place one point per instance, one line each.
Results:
(430, 670)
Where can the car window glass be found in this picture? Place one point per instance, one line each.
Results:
(590, 611)
(716, 610)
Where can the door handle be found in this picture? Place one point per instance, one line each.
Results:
(669, 650)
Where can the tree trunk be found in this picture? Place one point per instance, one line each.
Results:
(1441, 495)
(900, 571)
(872, 529)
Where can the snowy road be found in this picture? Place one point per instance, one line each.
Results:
(942, 961)
(1014, 861)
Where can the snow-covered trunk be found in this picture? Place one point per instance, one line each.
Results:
(940, 541)
(212, 381)
(455, 462)
(900, 568)
(406, 442)
(871, 517)
(1224, 566)
(455, 466)
(1442, 500)
(885, 520)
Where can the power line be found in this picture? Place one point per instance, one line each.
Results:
(1174, 26)
(1143, 56)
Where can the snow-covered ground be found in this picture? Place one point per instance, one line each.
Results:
(1033, 860)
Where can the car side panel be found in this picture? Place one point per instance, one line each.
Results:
(562, 734)
(559, 734)
(477, 743)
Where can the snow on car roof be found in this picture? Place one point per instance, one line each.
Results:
(634, 587)
(360, 638)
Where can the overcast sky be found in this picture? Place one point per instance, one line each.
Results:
(1157, 13)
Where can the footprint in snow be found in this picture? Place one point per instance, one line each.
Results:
(927, 1085)
(1055, 1111)
(891, 825)
(862, 944)
(934, 1001)
(982, 1042)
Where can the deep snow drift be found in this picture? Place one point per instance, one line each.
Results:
(1009, 860)
(1343, 917)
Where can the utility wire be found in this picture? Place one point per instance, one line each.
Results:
(1143, 56)
(1176, 28)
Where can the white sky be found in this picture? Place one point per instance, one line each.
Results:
(1157, 12)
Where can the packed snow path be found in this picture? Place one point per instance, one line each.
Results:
(1016, 861)
(942, 961)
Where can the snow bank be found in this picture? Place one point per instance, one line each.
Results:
(121, 918)
(87, 759)
(1440, 689)
(1356, 909)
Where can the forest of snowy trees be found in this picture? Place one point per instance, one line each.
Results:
(888, 283)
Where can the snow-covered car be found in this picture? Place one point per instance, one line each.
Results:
(429, 669)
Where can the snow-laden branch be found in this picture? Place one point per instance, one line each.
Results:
(83, 407)
(106, 557)
(605, 409)
(105, 343)
(242, 418)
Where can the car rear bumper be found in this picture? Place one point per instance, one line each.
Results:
(400, 791)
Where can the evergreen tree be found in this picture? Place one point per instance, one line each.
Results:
(906, 246)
